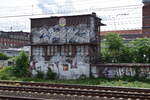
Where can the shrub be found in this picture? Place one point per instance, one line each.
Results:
(3, 56)
(126, 55)
(140, 50)
(40, 74)
(21, 67)
(105, 56)
(50, 74)
(6, 73)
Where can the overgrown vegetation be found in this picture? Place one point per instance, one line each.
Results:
(21, 70)
(50, 74)
(21, 67)
(136, 51)
(3, 56)
(6, 74)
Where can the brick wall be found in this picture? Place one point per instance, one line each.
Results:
(14, 39)
(145, 31)
(120, 70)
(146, 19)
(123, 32)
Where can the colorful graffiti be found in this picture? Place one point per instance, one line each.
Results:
(112, 72)
(65, 67)
(67, 34)
(69, 62)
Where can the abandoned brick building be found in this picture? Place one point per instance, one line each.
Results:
(14, 39)
(146, 18)
(69, 45)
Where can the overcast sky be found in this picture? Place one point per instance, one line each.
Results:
(14, 13)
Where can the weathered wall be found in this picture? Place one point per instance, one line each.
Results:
(75, 67)
(68, 34)
(68, 50)
(120, 70)
(146, 18)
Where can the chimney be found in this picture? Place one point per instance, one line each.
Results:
(94, 14)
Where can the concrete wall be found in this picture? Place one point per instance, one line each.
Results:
(65, 67)
(120, 70)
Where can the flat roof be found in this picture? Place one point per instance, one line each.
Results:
(93, 14)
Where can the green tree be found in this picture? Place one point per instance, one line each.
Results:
(114, 45)
(21, 67)
(141, 50)
(126, 54)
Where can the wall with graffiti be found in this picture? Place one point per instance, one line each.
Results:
(68, 46)
(65, 67)
(67, 34)
(120, 71)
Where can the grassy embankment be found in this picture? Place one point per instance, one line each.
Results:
(6, 74)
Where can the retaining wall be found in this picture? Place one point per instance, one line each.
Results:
(120, 70)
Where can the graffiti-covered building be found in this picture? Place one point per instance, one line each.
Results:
(69, 45)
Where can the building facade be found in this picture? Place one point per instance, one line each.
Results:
(137, 33)
(146, 18)
(14, 39)
(126, 34)
(66, 44)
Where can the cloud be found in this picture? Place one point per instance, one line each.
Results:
(43, 4)
(54, 6)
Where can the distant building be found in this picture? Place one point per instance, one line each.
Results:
(138, 33)
(126, 34)
(14, 39)
(146, 18)
(12, 52)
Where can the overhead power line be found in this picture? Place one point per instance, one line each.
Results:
(76, 11)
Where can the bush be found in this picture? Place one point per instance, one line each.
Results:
(105, 56)
(21, 67)
(126, 55)
(3, 56)
(6, 73)
(50, 74)
(40, 74)
(141, 50)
